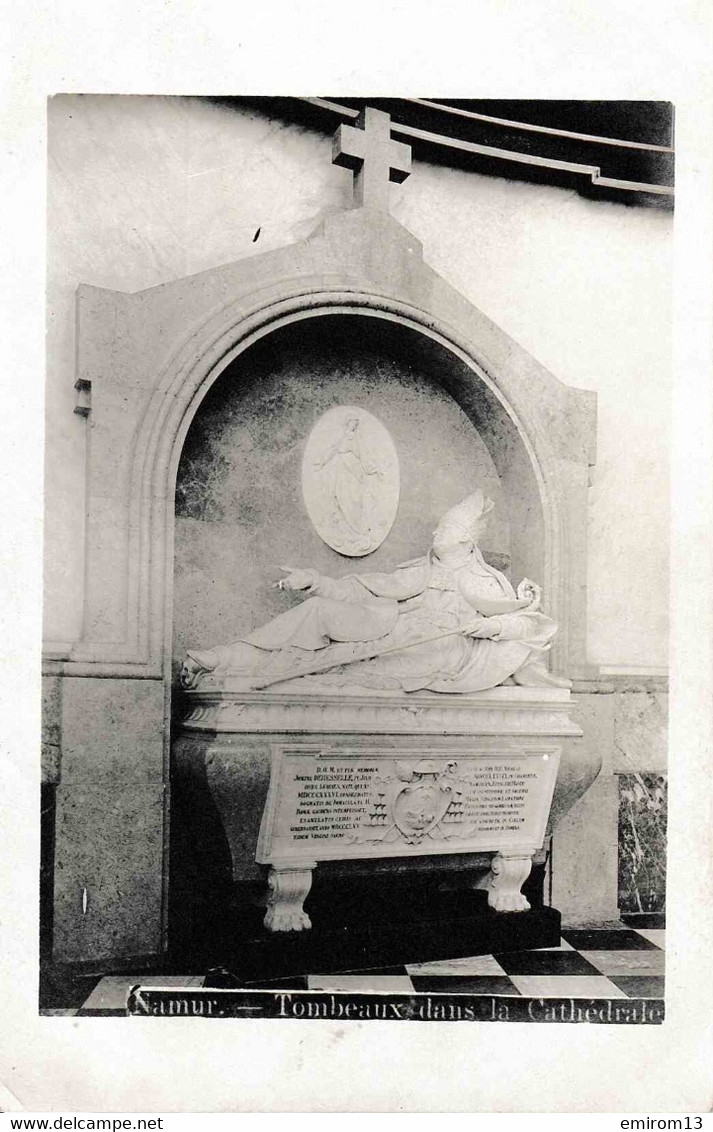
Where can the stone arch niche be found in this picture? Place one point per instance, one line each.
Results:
(150, 359)
(239, 506)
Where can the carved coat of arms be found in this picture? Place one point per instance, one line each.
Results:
(414, 803)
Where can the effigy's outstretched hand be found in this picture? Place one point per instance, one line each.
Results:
(296, 579)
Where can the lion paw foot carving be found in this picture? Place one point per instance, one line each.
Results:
(283, 920)
(287, 890)
(507, 875)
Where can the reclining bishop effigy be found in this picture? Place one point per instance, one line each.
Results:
(446, 622)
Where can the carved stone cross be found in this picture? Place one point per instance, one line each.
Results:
(368, 150)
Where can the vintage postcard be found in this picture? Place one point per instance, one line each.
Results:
(359, 704)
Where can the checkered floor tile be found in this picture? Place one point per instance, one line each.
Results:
(589, 963)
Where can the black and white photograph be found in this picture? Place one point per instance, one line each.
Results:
(356, 610)
(359, 425)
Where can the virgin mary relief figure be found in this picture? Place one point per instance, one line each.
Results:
(446, 622)
(350, 480)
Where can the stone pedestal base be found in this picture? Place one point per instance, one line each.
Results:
(453, 928)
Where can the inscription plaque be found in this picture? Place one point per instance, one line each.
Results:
(327, 804)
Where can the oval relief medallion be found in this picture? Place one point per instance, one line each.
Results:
(350, 480)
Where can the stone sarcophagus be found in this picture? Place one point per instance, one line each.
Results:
(472, 784)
